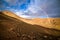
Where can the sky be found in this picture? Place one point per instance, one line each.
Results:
(32, 8)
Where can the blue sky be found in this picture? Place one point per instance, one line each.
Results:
(32, 8)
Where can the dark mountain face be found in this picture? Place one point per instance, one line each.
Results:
(14, 29)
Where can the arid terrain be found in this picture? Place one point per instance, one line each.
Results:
(45, 22)
(13, 27)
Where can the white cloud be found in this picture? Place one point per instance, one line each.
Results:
(32, 11)
(11, 2)
(25, 16)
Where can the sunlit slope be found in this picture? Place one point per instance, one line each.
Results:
(45, 22)
(11, 14)
(48, 22)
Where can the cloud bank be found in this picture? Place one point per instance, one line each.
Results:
(32, 8)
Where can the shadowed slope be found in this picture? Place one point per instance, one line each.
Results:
(14, 29)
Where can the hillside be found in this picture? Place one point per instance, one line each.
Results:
(45, 22)
(14, 29)
(48, 22)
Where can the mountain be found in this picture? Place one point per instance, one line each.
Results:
(47, 22)
(12, 28)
